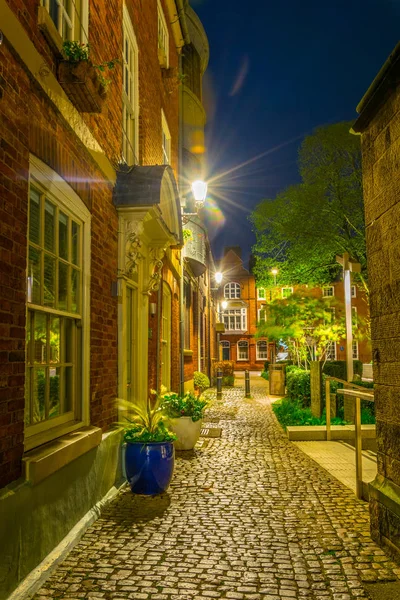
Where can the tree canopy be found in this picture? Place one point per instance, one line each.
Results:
(308, 325)
(301, 231)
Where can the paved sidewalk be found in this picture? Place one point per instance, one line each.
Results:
(248, 516)
(339, 459)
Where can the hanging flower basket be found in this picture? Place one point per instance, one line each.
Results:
(81, 82)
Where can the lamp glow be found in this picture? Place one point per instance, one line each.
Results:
(224, 305)
(218, 277)
(199, 189)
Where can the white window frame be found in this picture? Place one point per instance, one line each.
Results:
(328, 291)
(328, 354)
(261, 293)
(165, 140)
(259, 311)
(162, 37)
(353, 291)
(224, 344)
(283, 290)
(243, 344)
(354, 350)
(234, 313)
(69, 19)
(130, 98)
(232, 290)
(264, 343)
(59, 192)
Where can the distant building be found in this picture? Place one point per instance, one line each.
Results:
(247, 308)
(379, 125)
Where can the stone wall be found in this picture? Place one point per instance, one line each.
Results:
(379, 125)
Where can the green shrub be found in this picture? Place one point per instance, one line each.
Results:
(265, 375)
(266, 365)
(338, 368)
(189, 405)
(298, 385)
(291, 413)
(226, 366)
(201, 381)
(228, 380)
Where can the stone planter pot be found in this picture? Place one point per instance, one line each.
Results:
(187, 432)
(81, 83)
(149, 466)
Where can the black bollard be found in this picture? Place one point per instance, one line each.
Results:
(219, 384)
(247, 383)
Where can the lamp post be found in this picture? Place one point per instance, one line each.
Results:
(348, 267)
(274, 272)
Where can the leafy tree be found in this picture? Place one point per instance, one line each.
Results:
(307, 324)
(303, 229)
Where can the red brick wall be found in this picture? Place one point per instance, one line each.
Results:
(14, 160)
(156, 92)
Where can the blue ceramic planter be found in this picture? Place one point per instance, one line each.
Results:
(149, 466)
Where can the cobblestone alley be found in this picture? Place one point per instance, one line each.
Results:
(248, 516)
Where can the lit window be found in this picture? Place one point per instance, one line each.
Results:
(70, 18)
(355, 350)
(235, 319)
(286, 292)
(353, 291)
(163, 38)
(130, 104)
(243, 350)
(261, 293)
(57, 302)
(330, 351)
(262, 316)
(261, 350)
(166, 140)
(232, 290)
(328, 291)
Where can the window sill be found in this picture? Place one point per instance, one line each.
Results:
(46, 460)
(47, 27)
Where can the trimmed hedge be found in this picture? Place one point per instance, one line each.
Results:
(298, 385)
(338, 368)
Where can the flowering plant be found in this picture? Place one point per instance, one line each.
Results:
(189, 405)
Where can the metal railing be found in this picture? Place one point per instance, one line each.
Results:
(358, 393)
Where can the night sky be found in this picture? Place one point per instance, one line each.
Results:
(277, 70)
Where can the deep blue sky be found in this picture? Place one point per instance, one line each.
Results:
(277, 70)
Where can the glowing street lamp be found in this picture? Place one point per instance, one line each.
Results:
(274, 272)
(218, 277)
(199, 190)
(224, 305)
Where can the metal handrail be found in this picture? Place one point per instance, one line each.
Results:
(357, 394)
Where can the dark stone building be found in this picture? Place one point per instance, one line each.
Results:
(379, 126)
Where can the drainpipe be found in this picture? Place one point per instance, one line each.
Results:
(181, 263)
(159, 316)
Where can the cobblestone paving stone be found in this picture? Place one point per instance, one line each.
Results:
(247, 517)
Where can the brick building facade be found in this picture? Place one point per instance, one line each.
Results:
(379, 126)
(90, 242)
(246, 305)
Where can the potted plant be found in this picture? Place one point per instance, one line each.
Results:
(149, 455)
(185, 415)
(82, 81)
(201, 382)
